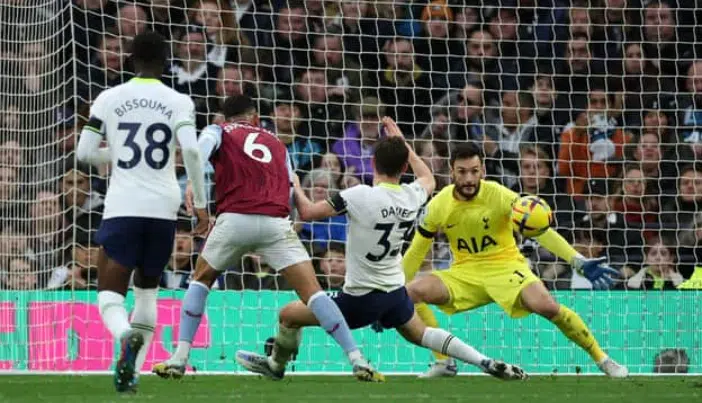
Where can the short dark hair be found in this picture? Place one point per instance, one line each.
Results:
(238, 105)
(391, 156)
(149, 49)
(462, 151)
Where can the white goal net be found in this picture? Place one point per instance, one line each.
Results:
(594, 105)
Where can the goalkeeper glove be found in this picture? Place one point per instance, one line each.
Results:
(595, 270)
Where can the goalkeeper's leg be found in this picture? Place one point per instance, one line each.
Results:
(537, 299)
(439, 340)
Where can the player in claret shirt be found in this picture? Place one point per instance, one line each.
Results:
(253, 177)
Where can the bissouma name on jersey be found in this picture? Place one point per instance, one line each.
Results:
(143, 103)
(396, 211)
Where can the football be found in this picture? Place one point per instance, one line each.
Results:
(531, 216)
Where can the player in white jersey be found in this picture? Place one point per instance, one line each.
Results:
(381, 218)
(140, 120)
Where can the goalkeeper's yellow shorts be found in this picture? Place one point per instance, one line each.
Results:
(471, 286)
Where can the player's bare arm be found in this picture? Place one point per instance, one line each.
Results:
(308, 210)
(423, 173)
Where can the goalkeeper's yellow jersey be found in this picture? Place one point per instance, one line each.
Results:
(479, 230)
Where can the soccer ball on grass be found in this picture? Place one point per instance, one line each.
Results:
(531, 216)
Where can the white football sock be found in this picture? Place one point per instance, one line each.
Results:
(144, 319)
(441, 341)
(113, 313)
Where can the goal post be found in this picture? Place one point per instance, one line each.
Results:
(593, 105)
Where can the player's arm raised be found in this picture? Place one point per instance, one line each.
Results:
(423, 173)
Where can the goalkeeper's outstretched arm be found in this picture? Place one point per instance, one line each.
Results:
(412, 261)
(556, 244)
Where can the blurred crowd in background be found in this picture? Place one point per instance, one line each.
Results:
(594, 105)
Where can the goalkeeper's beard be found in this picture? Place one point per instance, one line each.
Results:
(468, 190)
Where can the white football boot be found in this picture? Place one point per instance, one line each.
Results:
(441, 369)
(612, 368)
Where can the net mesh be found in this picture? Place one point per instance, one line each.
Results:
(593, 105)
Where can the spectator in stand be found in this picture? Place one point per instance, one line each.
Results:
(331, 266)
(573, 79)
(364, 35)
(516, 46)
(321, 186)
(229, 83)
(290, 42)
(586, 21)
(435, 154)
(82, 206)
(190, 72)
(640, 83)
(90, 17)
(11, 154)
(106, 68)
(222, 30)
(182, 264)
(356, 148)
(332, 163)
(659, 270)
(657, 165)
(623, 245)
(404, 87)
(11, 115)
(544, 102)
(460, 116)
(20, 275)
(435, 46)
(131, 21)
(467, 19)
(690, 111)
(667, 44)
(517, 127)
(638, 207)
(255, 20)
(622, 22)
(590, 148)
(322, 105)
(79, 269)
(166, 14)
(255, 275)
(342, 70)
(292, 130)
(681, 211)
(10, 196)
(47, 232)
(481, 65)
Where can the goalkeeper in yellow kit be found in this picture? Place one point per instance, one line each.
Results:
(487, 266)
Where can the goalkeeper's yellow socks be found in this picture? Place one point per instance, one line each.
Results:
(576, 330)
(425, 313)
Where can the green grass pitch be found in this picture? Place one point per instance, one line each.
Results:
(215, 389)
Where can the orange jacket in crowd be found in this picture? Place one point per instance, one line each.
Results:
(574, 159)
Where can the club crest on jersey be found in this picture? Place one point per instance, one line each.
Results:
(471, 245)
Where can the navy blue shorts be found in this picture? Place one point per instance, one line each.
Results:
(146, 243)
(391, 309)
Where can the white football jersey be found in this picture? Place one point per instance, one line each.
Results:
(380, 219)
(140, 120)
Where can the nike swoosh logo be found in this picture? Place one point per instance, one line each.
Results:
(450, 226)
